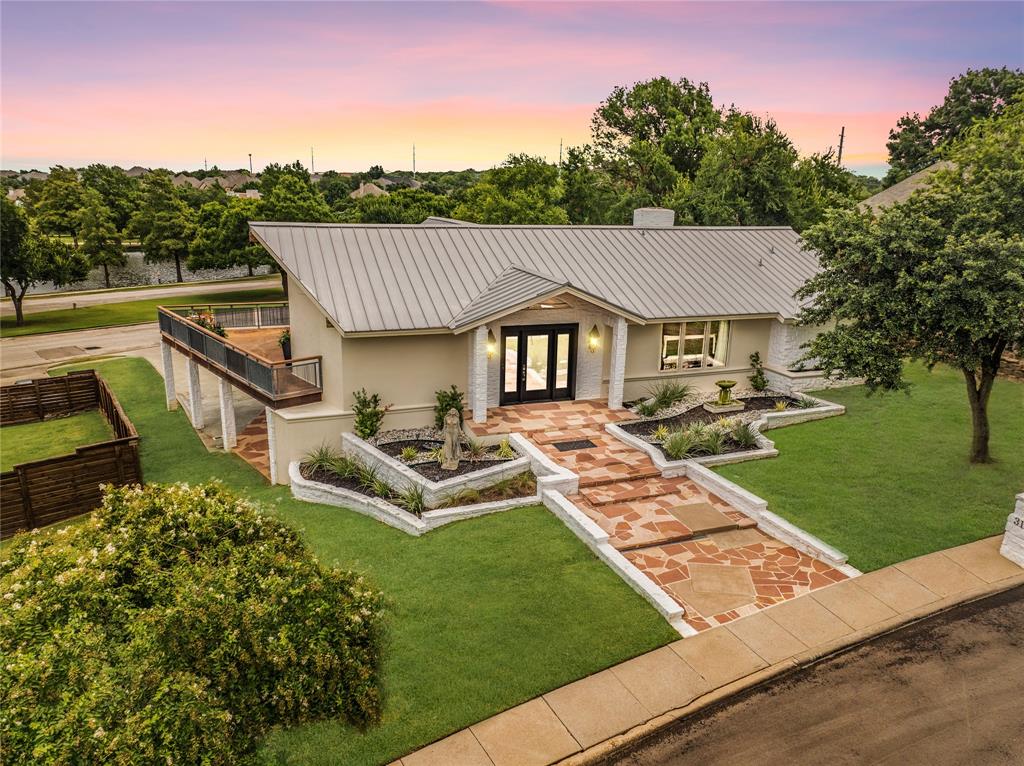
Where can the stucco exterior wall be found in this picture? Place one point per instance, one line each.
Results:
(643, 357)
(312, 335)
(405, 370)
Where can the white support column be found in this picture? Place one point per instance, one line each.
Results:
(229, 434)
(271, 445)
(195, 396)
(168, 358)
(617, 373)
(479, 390)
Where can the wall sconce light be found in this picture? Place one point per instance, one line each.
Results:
(492, 345)
(593, 339)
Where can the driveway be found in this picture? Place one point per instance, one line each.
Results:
(943, 691)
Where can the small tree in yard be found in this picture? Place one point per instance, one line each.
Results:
(177, 625)
(939, 278)
(101, 243)
(28, 257)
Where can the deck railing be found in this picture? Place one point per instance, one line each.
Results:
(281, 383)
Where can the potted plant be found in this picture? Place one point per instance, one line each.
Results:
(285, 342)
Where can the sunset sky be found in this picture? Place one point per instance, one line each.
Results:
(169, 84)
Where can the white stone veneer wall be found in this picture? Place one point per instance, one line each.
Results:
(589, 365)
(784, 344)
(1013, 538)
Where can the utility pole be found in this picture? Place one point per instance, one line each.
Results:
(250, 163)
(842, 136)
(414, 162)
(559, 153)
(312, 166)
(204, 164)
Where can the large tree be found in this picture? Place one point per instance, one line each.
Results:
(118, 190)
(30, 257)
(938, 278)
(163, 222)
(675, 117)
(222, 236)
(295, 200)
(274, 172)
(402, 206)
(60, 200)
(522, 190)
(101, 242)
(977, 94)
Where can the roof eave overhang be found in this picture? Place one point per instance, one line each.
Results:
(560, 290)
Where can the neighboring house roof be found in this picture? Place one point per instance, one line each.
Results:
(367, 190)
(35, 175)
(15, 194)
(183, 180)
(136, 171)
(900, 192)
(394, 278)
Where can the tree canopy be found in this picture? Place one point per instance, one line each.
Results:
(101, 242)
(977, 94)
(522, 190)
(938, 278)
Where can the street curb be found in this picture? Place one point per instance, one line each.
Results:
(717, 697)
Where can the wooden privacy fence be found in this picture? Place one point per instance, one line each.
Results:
(46, 491)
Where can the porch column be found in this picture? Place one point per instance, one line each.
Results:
(168, 358)
(229, 434)
(479, 390)
(195, 396)
(617, 373)
(271, 445)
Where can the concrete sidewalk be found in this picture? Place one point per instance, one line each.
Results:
(589, 718)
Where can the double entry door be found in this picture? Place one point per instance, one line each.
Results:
(538, 363)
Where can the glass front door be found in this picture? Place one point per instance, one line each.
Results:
(539, 363)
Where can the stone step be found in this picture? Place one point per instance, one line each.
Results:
(609, 493)
(636, 474)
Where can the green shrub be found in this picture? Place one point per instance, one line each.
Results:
(369, 413)
(713, 443)
(475, 449)
(805, 403)
(178, 624)
(453, 398)
(647, 408)
(412, 500)
(409, 454)
(780, 405)
(505, 451)
(758, 380)
(323, 458)
(680, 445)
(661, 433)
(669, 392)
(744, 435)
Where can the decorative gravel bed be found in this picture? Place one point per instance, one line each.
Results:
(697, 414)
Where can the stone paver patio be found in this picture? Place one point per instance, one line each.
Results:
(253, 445)
(705, 554)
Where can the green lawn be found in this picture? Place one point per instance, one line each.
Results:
(49, 438)
(129, 312)
(484, 614)
(890, 479)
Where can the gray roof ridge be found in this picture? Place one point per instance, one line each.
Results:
(528, 226)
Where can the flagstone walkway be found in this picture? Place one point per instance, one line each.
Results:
(253, 445)
(709, 557)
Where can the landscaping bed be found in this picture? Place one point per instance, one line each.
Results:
(425, 458)
(697, 414)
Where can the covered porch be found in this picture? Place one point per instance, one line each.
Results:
(549, 417)
(531, 362)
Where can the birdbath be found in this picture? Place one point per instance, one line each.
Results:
(725, 391)
(725, 402)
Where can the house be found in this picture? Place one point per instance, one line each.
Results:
(516, 314)
(367, 190)
(16, 196)
(901, 192)
(136, 171)
(183, 180)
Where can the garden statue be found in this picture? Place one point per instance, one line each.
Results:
(451, 452)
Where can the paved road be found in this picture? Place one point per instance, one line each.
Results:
(64, 300)
(29, 356)
(949, 690)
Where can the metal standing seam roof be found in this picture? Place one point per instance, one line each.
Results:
(393, 278)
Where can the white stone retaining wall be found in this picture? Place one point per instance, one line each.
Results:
(550, 475)
(390, 514)
(756, 507)
(402, 477)
(596, 539)
(1013, 539)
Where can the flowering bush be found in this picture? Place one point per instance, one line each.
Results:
(207, 320)
(176, 626)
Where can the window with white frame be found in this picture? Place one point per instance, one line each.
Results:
(694, 345)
